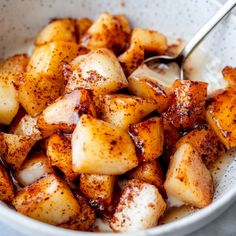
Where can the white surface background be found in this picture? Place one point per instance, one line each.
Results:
(225, 225)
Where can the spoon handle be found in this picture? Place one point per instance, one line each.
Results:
(202, 33)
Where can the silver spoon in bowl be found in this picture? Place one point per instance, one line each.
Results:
(193, 43)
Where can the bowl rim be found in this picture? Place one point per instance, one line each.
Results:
(9, 216)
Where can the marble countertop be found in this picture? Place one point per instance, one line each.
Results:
(223, 226)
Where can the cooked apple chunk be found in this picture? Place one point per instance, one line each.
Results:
(99, 188)
(147, 83)
(6, 186)
(150, 40)
(15, 148)
(188, 108)
(107, 32)
(28, 127)
(132, 58)
(221, 116)
(188, 180)
(34, 168)
(229, 74)
(49, 200)
(10, 70)
(148, 137)
(206, 143)
(171, 136)
(149, 172)
(98, 71)
(43, 82)
(111, 153)
(82, 25)
(57, 30)
(122, 110)
(84, 219)
(59, 152)
(64, 113)
(140, 206)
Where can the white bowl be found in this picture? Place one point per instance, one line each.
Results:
(21, 20)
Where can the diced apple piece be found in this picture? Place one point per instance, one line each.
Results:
(171, 136)
(34, 168)
(82, 25)
(64, 113)
(147, 83)
(188, 180)
(6, 186)
(206, 143)
(28, 127)
(59, 152)
(49, 200)
(122, 110)
(132, 58)
(16, 148)
(43, 82)
(149, 172)
(229, 74)
(148, 137)
(150, 40)
(98, 71)
(57, 30)
(99, 188)
(188, 108)
(139, 208)
(85, 218)
(111, 153)
(221, 115)
(10, 70)
(15, 64)
(107, 32)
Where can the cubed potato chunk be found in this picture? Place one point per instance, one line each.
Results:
(229, 74)
(221, 115)
(150, 40)
(6, 186)
(206, 143)
(149, 172)
(34, 168)
(132, 58)
(122, 110)
(147, 83)
(188, 108)
(49, 200)
(15, 148)
(98, 188)
(99, 71)
(59, 152)
(64, 113)
(188, 180)
(28, 127)
(148, 137)
(139, 208)
(85, 218)
(111, 153)
(10, 70)
(107, 32)
(57, 30)
(82, 25)
(43, 82)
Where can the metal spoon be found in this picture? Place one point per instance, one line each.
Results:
(193, 43)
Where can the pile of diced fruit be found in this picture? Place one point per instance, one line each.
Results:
(91, 134)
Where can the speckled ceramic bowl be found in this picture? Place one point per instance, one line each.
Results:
(21, 20)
